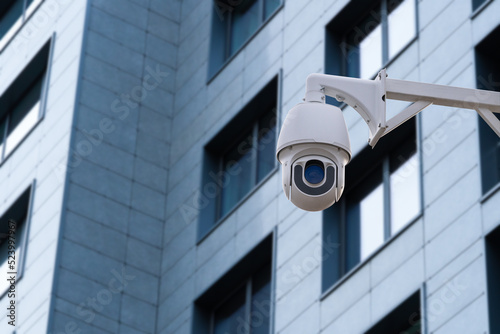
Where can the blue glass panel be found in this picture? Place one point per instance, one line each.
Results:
(10, 14)
(245, 21)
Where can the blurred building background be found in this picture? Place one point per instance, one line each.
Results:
(137, 156)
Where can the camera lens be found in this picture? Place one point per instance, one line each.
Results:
(314, 172)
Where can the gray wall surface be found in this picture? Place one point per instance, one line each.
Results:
(108, 276)
(118, 162)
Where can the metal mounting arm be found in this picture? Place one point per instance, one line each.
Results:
(368, 97)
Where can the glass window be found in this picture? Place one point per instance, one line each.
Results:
(370, 53)
(3, 126)
(231, 314)
(405, 318)
(13, 13)
(20, 105)
(360, 50)
(379, 201)
(487, 53)
(261, 301)
(492, 245)
(24, 116)
(372, 221)
(233, 24)
(245, 21)
(237, 159)
(476, 4)
(270, 7)
(248, 309)
(248, 162)
(14, 219)
(404, 186)
(240, 300)
(402, 27)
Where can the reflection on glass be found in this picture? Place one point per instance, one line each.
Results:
(230, 316)
(3, 124)
(269, 7)
(402, 26)
(370, 53)
(405, 193)
(477, 3)
(372, 221)
(261, 303)
(266, 145)
(237, 166)
(12, 16)
(244, 22)
(17, 133)
(23, 116)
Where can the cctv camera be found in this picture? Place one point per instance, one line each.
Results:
(313, 149)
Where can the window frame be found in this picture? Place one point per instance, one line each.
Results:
(382, 12)
(20, 264)
(46, 51)
(248, 299)
(402, 307)
(264, 253)
(336, 52)
(208, 219)
(328, 287)
(215, 69)
(255, 182)
(491, 261)
(484, 131)
(28, 11)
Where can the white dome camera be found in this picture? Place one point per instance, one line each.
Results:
(313, 146)
(313, 149)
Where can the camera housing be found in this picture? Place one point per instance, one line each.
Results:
(313, 149)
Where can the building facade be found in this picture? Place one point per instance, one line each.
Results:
(138, 163)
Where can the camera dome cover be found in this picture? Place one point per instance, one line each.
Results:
(314, 122)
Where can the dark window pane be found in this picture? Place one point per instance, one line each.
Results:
(24, 116)
(352, 61)
(18, 213)
(261, 301)
(488, 78)
(477, 3)
(25, 104)
(245, 21)
(237, 165)
(3, 124)
(493, 277)
(405, 318)
(270, 6)
(10, 14)
(266, 145)
(230, 316)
